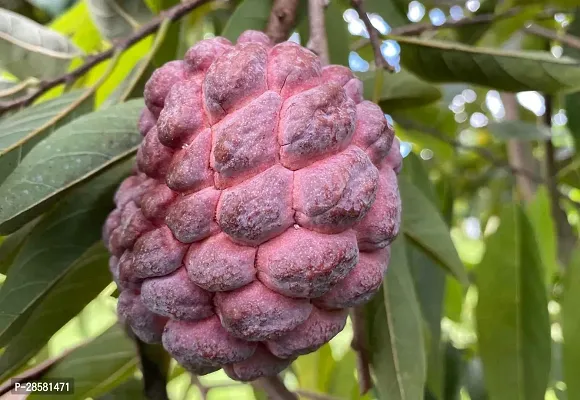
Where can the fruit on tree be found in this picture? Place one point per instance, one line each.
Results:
(262, 206)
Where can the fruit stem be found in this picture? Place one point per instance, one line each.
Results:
(359, 345)
(275, 388)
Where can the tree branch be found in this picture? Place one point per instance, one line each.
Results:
(172, 14)
(421, 27)
(374, 36)
(318, 42)
(359, 345)
(568, 40)
(281, 19)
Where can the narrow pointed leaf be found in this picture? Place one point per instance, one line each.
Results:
(512, 312)
(401, 90)
(86, 278)
(572, 100)
(118, 18)
(10, 246)
(571, 326)
(53, 247)
(539, 211)
(424, 226)
(393, 11)
(66, 158)
(96, 367)
(395, 333)
(250, 14)
(20, 132)
(31, 50)
(512, 71)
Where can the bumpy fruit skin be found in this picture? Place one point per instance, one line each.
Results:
(262, 207)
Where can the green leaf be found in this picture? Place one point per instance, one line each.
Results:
(11, 245)
(77, 25)
(512, 312)
(393, 11)
(400, 90)
(313, 370)
(96, 367)
(571, 326)
(342, 379)
(133, 85)
(83, 281)
(53, 247)
(338, 34)
(471, 34)
(29, 49)
(395, 332)
(11, 89)
(513, 71)
(572, 100)
(118, 18)
(519, 130)
(429, 281)
(250, 14)
(539, 211)
(21, 131)
(67, 157)
(131, 389)
(431, 127)
(561, 3)
(424, 226)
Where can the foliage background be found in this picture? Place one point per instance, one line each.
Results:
(481, 294)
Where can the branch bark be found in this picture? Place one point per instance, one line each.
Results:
(282, 18)
(173, 14)
(520, 153)
(374, 36)
(318, 42)
(564, 232)
(568, 40)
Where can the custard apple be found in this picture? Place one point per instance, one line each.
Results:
(261, 208)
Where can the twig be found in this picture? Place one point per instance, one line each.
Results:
(359, 345)
(172, 14)
(281, 20)
(568, 40)
(275, 388)
(375, 40)
(418, 28)
(318, 42)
